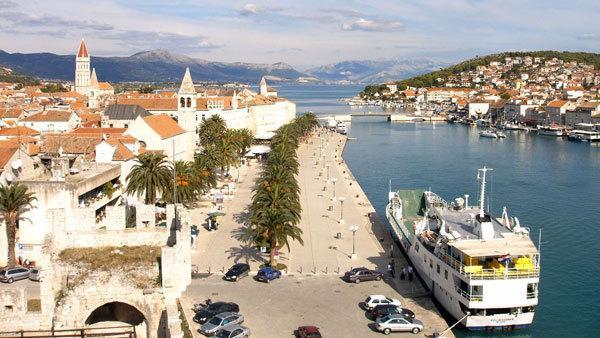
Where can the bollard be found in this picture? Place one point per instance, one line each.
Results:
(326, 269)
(300, 270)
(314, 270)
(223, 270)
(209, 270)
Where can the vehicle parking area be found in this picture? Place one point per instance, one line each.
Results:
(278, 308)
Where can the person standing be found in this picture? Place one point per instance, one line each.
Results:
(403, 273)
(410, 273)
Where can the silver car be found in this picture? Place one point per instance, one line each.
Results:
(9, 275)
(397, 322)
(234, 331)
(221, 321)
(35, 274)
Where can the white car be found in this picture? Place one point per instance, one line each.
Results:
(397, 322)
(373, 300)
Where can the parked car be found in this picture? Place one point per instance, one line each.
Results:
(309, 332)
(35, 274)
(374, 300)
(9, 275)
(267, 274)
(358, 275)
(214, 309)
(234, 331)
(391, 323)
(237, 271)
(221, 321)
(389, 309)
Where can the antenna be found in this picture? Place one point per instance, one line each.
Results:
(483, 172)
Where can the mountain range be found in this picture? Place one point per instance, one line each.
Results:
(370, 71)
(163, 66)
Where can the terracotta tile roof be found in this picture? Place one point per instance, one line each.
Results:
(12, 113)
(6, 153)
(105, 86)
(71, 144)
(82, 52)
(589, 105)
(50, 116)
(164, 125)
(260, 100)
(90, 117)
(98, 131)
(556, 103)
(152, 103)
(19, 131)
(122, 153)
(202, 103)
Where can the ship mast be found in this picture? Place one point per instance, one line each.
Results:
(482, 194)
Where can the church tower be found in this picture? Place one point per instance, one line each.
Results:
(94, 91)
(82, 70)
(263, 89)
(186, 103)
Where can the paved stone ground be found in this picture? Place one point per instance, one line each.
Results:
(276, 309)
(313, 268)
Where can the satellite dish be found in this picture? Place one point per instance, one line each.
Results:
(16, 164)
(8, 177)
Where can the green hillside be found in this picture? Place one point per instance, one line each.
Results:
(12, 77)
(429, 80)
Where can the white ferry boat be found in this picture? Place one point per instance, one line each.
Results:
(484, 271)
(585, 132)
(488, 133)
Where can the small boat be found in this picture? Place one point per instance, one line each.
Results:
(585, 132)
(552, 130)
(342, 128)
(488, 133)
(500, 134)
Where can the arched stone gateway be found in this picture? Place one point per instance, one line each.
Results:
(114, 313)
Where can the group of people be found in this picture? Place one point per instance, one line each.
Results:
(406, 272)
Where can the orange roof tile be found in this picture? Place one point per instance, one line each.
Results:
(556, 103)
(164, 125)
(19, 131)
(98, 131)
(152, 103)
(6, 153)
(50, 116)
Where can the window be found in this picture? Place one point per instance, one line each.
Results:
(189, 102)
(417, 247)
(182, 102)
(446, 274)
(438, 268)
(431, 264)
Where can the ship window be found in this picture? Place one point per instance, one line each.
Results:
(446, 274)
(431, 263)
(438, 268)
(425, 259)
(417, 247)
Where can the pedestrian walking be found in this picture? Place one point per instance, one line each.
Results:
(403, 273)
(393, 271)
(410, 273)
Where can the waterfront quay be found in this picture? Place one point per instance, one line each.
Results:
(311, 291)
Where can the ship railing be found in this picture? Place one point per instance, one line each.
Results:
(435, 200)
(468, 296)
(477, 272)
(532, 295)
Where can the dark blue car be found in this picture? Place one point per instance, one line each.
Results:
(267, 274)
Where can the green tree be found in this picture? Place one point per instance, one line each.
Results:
(185, 181)
(211, 130)
(151, 175)
(14, 200)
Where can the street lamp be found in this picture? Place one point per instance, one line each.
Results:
(334, 180)
(354, 229)
(342, 199)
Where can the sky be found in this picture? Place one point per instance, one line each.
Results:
(302, 33)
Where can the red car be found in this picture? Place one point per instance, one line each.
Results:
(309, 332)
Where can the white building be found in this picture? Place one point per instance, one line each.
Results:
(51, 121)
(162, 134)
(82, 70)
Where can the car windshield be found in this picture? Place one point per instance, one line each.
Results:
(3, 273)
(215, 321)
(34, 271)
(389, 299)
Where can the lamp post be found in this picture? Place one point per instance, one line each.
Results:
(334, 180)
(354, 229)
(342, 199)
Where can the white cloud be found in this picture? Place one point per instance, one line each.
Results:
(250, 9)
(589, 36)
(367, 25)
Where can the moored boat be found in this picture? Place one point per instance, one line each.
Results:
(488, 133)
(552, 130)
(483, 270)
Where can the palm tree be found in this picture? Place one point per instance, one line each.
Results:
(245, 139)
(151, 175)
(228, 149)
(204, 173)
(14, 199)
(211, 130)
(185, 181)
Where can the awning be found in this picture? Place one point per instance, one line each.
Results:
(260, 149)
(510, 245)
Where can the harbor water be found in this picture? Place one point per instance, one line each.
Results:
(548, 183)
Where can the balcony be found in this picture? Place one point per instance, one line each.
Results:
(468, 296)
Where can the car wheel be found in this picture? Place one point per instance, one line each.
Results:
(357, 281)
(10, 281)
(378, 278)
(415, 330)
(387, 331)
